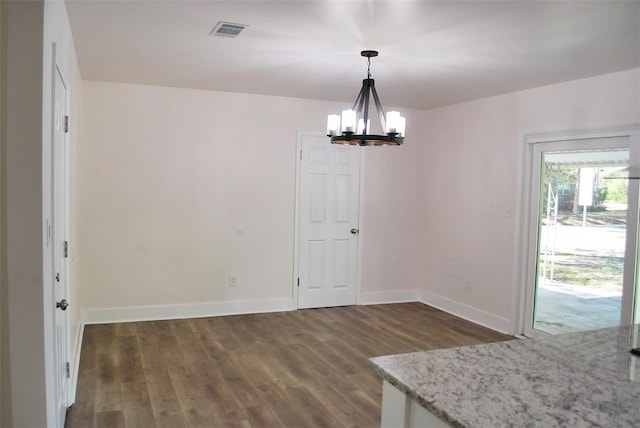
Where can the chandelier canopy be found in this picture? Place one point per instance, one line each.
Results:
(353, 127)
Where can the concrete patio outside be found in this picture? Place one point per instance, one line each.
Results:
(564, 308)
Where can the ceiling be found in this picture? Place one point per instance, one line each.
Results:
(432, 53)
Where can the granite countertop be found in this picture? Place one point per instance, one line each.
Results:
(570, 380)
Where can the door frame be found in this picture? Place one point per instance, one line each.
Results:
(296, 240)
(66, 233)
(522, 244)
(48, 247)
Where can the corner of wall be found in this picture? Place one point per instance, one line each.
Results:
(469, 313)
(5, 369)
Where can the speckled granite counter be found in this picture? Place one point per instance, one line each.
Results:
(570, 380)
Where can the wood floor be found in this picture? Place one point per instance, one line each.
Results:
(305, 368)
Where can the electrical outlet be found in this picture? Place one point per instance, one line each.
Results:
(468, 286)
(233, 281)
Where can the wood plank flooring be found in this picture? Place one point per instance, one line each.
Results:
(305, 368)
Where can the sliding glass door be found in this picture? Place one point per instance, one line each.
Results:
(582, 235)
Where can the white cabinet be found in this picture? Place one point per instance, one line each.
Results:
(401, 411)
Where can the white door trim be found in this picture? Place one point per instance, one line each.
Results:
(361, 236)
(67, 230)
(296, 244)
(528, 138)
(49, 268)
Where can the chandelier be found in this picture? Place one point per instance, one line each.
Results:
(354, 126)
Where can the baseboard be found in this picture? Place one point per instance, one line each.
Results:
(381, 297)
(469, 313)
(202, 310)
(197, 310)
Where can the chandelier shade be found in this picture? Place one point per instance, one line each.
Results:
(353, 126)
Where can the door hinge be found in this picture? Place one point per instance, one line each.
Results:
(300, 154)
(66, 249)
(298, 282)
(66, 123)
(67, 369)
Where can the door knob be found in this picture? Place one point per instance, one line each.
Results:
(62, 304)
(355, 231)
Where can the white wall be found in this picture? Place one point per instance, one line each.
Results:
(164, 183)
(167, 176)
(31, 29)
(22, 200)
(471, 175)
(392, 238)
(5, 373)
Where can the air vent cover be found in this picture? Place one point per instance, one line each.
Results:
(227, 29)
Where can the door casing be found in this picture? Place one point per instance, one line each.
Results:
(523, 214)
(296, 250)
(55, 186)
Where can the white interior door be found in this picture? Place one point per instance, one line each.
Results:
(328, 219)
(60, 250)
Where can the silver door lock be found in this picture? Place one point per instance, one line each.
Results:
(62, 304)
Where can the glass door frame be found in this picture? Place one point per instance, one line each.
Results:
(532, 210)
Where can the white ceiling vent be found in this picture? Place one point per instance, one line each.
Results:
(227, 29)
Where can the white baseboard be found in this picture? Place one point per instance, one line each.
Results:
(381, 297)
(197, 310)
(461, 310)
(469, 313)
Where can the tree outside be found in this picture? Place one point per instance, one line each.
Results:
(592, 255)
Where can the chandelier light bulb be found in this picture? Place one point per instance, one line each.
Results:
(348, 121)
(395, 123)
(333, 125)
(393, 117)
(401, 124)
(361, 129)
